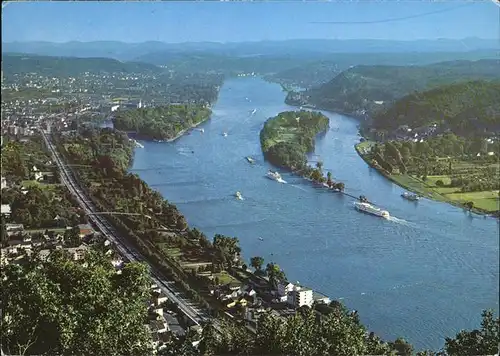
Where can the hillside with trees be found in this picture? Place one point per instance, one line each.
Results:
(70, 66)
(465, 108)
(368, 89)
(463, 171)
(162, 122)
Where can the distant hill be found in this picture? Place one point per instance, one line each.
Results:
(316, 73)
(130, 51)
(373, 88)
(70, 66)
(465, 108)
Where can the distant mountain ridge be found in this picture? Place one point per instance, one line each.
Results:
(372, 88)
(130, 51)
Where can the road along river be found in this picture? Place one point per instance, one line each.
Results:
(423, 275)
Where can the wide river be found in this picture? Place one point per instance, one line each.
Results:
(424, 275)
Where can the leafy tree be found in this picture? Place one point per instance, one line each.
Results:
(329, 179)
(484, 341)
(402, 347)
(72, 237)
(65, 307)
(257, 262)
(275, 273)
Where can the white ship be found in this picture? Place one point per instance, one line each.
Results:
(253, 112)
(410, 196)
(250, 159)
(370, 209)
(224, 134)
(275, 176)
(238, 196)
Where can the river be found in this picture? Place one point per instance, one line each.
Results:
(423, 276)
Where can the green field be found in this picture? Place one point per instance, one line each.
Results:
(487, 201)
(225, 278)
(33, 183)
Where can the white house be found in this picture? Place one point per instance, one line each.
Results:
(5, 209)
(4, 183)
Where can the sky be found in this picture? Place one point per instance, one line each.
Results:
(177, 22)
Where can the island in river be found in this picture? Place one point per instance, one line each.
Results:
(163, 123)
(287, 138)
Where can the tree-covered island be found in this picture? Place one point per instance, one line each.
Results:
(163, 122)
(288, 137)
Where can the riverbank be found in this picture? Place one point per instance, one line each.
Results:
(184, 131)
(161, 123)
(430, 190)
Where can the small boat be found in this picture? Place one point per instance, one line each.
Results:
(253, 111)
(370, 209)
(250, 160)
(410, 196)
(224, 134)
(202, 130)
(261, 239)
(238, 196)
(275, 176)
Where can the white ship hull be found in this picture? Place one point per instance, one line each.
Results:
(276, 177)
(372, 210)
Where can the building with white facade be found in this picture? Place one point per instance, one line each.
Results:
(300, 296)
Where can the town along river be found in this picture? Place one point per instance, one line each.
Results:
(424, 275)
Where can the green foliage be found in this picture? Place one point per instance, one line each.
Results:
(257, 262)
(286, 138)
(65, 307)
(19, 158)
(358, 88)
(447, 155)
(484, 341)
(275, 273)
(465, 108)
(162, 122)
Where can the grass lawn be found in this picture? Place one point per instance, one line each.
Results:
(487, 200)
(484, 200)
(364, 147)
(34, 183)
(225, 278)
(173, 252)
(34, 231)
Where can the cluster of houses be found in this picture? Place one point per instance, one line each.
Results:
(257, 296)
(163, 323)
(21, 244)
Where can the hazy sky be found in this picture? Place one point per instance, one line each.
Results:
(245, 21)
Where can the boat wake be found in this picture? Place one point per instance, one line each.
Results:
(400, 221)
(298, 187)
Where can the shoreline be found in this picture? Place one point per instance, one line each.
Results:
(428, 194)
(443, 199)
(182, 132)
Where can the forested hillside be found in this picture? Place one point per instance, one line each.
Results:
(70, 66)
(465, 108)
(373, 88)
